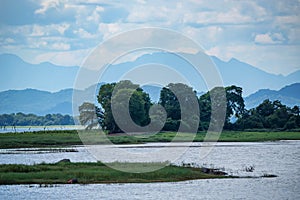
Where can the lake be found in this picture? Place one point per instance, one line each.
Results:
(280, 158)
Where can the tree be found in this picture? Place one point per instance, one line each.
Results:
(296, 110)
(266, 108)
(104, 98)
(88, 115)
(126, 98)
(234, 105)
(235, 101)
(270, 115)
(181, 105)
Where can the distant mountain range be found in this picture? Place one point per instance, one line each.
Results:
(289, 95)
(18, 75)
(43, 102)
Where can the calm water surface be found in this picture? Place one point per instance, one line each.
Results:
(280, 158)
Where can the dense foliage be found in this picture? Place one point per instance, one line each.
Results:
(168, 114)
(268, 115)
(21, 119)
(124, 91)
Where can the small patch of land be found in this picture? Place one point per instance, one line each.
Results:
(71, 137)
(89, 173)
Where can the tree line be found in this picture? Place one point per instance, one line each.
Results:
(21, 119)
(131, 102)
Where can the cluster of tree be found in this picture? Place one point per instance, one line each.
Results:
(126, 107)
(270, 115)
(21, 119)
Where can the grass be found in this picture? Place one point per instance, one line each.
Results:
(88, 173)
(71, 137)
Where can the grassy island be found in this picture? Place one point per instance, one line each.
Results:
(89, 173)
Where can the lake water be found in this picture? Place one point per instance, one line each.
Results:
(280, 158)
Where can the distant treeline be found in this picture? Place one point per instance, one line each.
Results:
(268, 115)
(21, 119)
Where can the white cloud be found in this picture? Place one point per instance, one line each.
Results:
(268, 38)
(84, 34)
(150, 14)
(109, 29)
(223, 27)
(264, 39)
(232, 16)
(46, 30)
(60, 46)
(38, 44)
(95, 16)
(61, 28)
(37, 31)
(46, 5)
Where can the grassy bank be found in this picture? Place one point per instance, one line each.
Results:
(67, 138)
(87, 173)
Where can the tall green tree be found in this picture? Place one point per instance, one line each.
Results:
(127, 97)
(234, 105)
(179, 101)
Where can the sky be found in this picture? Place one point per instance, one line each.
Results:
(263, 33)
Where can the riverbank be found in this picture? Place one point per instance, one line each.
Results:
(90, 173)
(71, 137)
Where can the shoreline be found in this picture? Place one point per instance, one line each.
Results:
(67, 138)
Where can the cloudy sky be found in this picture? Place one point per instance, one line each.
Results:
(264, 33)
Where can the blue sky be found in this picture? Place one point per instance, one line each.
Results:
(264, 33)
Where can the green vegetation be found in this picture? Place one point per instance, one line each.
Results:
(178, 101)
(119, 95)
(87, 173)
(68, 138)
(21, 119)
(39, 139)
(270, 115)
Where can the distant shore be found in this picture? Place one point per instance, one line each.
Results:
(22, 129)
(60, 138)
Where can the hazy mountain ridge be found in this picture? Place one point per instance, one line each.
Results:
(16, 73)
(289, 95)
(35, 101)
(42, 102)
